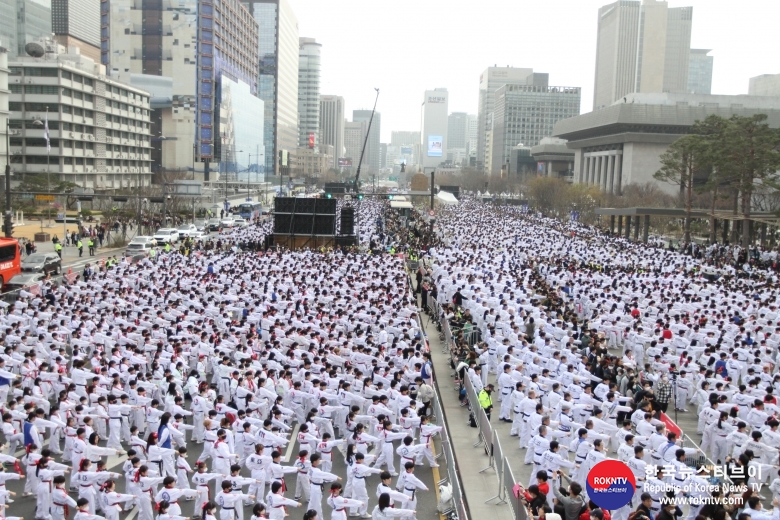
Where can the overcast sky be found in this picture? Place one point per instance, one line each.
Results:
(407, 46)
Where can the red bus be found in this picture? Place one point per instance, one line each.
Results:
(10, 259)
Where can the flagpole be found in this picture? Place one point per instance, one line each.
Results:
(48, 166)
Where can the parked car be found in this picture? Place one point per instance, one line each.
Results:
(186, 229)
(21, 281)
(136, 248)
(201, 224)
(143, 240)
(42, 263)
(166, 236)
(214, 224)
(227, 222)
(240, 223)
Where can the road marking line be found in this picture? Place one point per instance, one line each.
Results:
(436, 479)
(293, 439)
(132, 514)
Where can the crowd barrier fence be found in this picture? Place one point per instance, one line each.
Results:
(457, 508)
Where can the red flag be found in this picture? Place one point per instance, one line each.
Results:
(35, 289)
(71, 277)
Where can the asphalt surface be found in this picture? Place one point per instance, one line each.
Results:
(426, 500)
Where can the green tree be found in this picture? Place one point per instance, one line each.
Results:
(679, 164)
(39, 183)
(752, 155)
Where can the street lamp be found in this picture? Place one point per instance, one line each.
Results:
(7, 221)
(37, 122)
(248, 173)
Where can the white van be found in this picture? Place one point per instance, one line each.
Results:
(138, 248)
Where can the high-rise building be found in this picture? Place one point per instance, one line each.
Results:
(471, 135)
(700, 71)
(457, 130)
(278, 85)
(22, 22)
(491, 80)
(153, 45)
(76, 23)
(135, 50)
(309, 93)
(641, 47)
(524, 114)
(434, 123)
(354, 135)
(371, 158)
(404, 137)
(332, 125)
(227, 73)
(99, 128)
(765, 85)
(4, 92)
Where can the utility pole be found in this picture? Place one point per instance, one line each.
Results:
(7, 220)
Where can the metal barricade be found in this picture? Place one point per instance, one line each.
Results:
(459, 505)
(471, 395)
(508, 488)
(485, 431)
(497, 462)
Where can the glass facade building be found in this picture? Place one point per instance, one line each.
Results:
(309, 92)
(525, 114)
(278, 49)
(22, 22)
(700, 72)
(241, 113)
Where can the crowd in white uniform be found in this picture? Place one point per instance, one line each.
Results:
(713, 340)
(253, 355)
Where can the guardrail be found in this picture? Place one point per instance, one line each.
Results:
(457, 509)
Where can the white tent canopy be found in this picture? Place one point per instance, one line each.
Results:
(447, 198)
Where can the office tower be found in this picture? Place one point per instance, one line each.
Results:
(76, 23)
(278, 51)
(154, 46)
(457, 129)
(491, 80)
(371, 158)
(641, 47)
(765, 85)
(227, 108)
(309, 93)
(4, 107)
(434, 124)
(700, 72)
(471, 135)
(136, 50)
(404, 137)
(332, 125)
(524, 114)
(22, 22)
(89, 117)
(354, 135)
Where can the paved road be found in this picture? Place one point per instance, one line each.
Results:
(426, 508)
(427, 501)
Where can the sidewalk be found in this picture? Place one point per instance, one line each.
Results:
(69, 253)
(478, 487)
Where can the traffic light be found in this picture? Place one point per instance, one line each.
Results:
(328, 195)
(360, 196)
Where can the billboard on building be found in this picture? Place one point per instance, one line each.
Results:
(435, 145)
(311, 140)
(345, 162)
(540, 167)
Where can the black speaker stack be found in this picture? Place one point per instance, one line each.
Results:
(304, 216)
(347, 220)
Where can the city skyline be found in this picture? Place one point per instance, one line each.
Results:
(461, 60)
